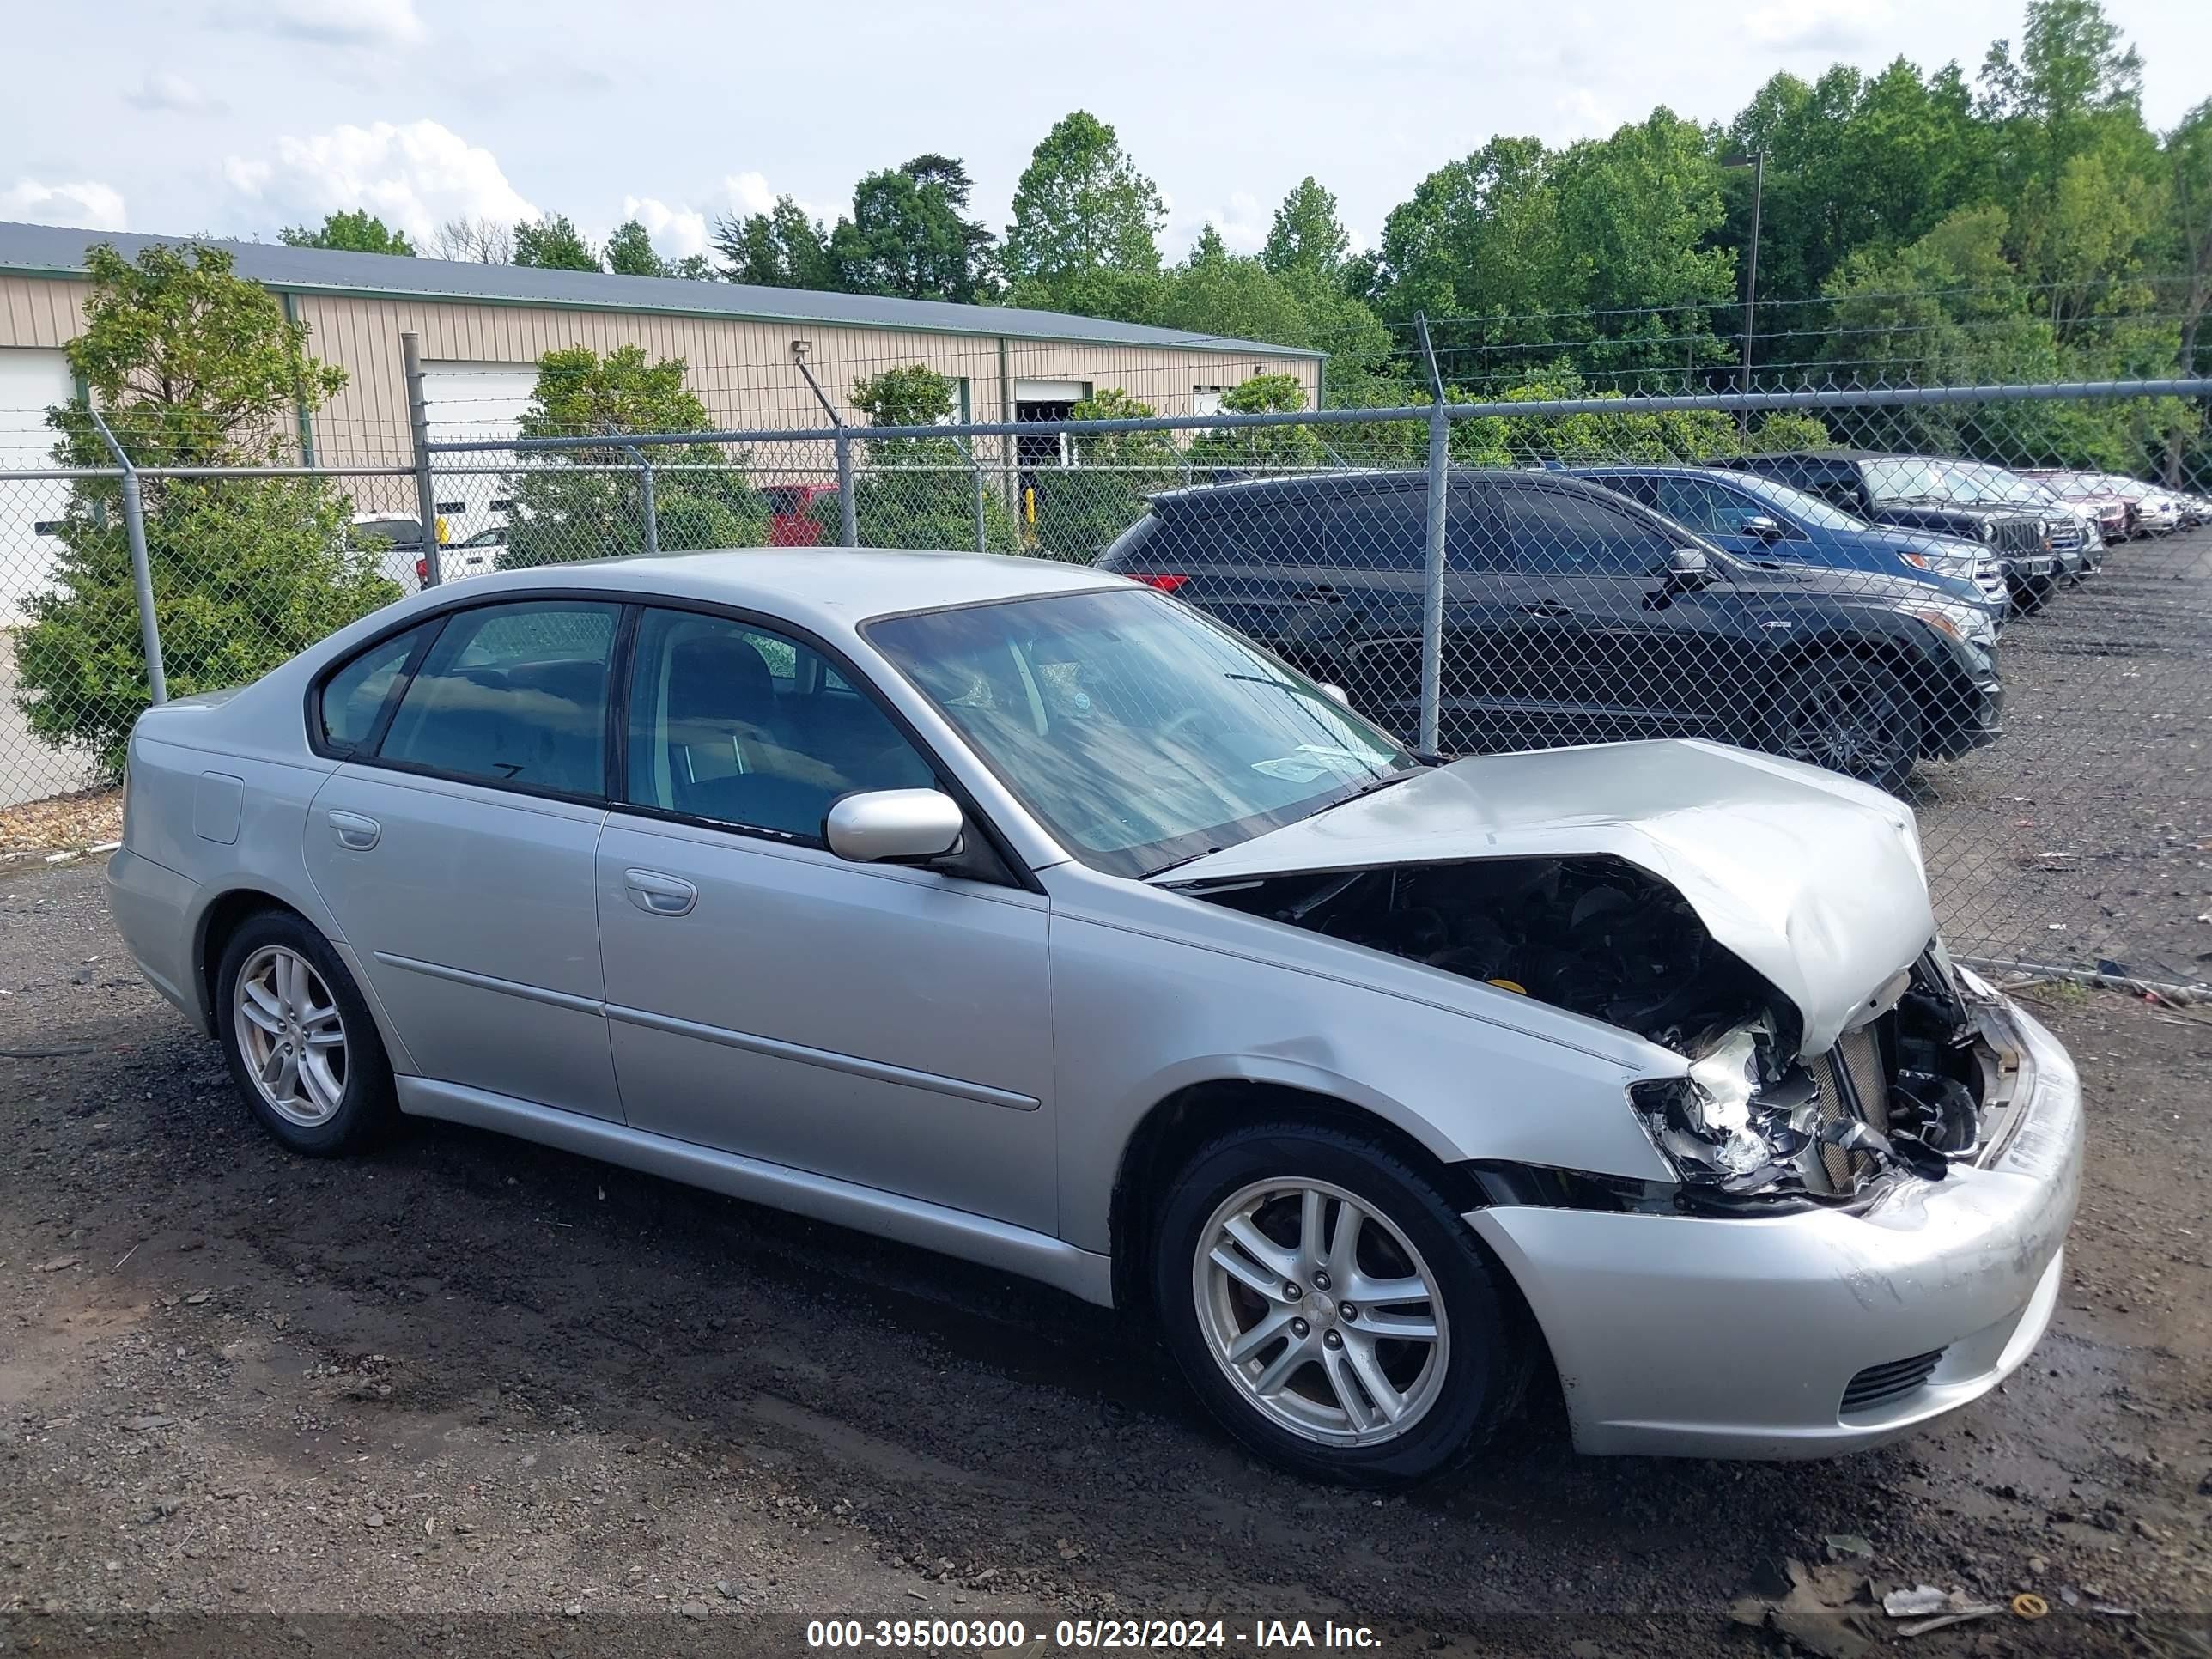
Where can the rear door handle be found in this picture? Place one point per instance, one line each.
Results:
(658, 895)
(1320, 594)
(356, 834)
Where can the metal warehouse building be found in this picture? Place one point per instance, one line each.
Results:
(483, 328)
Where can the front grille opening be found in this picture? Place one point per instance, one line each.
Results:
(1851, 1083)
(1877, 1385)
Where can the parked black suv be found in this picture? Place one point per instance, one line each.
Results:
(1573, 616)
(1910, 491)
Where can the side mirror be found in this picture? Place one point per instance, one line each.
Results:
(894, 826)
(1759, 524)
(1687, 566)
(1336, 693)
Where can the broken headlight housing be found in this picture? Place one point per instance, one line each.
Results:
(1739, 1121)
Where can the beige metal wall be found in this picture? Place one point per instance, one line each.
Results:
(743, 370)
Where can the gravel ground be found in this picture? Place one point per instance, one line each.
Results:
(2084, 835)
(518, 1396)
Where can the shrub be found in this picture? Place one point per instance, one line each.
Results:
(246, 573)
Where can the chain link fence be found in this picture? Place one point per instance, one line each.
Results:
(1996, 603)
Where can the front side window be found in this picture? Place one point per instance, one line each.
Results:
(1138, 733)
(513, 694)
(731, 723)
(1804, 509)
(354, 696)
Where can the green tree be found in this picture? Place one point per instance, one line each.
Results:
(1216, 292)
(357, 232)
(915, 492)
(588, 502)
(1637, 211)
(780, 248)
(192, 364)
(1260, 449)
(906, 235)
(1081, 207)
(630, 252)
(1307, 236)
(554, 244)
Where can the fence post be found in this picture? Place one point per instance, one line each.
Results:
(418, 426)
(142, 568)
(848, 519)
(1432, 575)
(646, 504)
(849, 522)
(647, 508)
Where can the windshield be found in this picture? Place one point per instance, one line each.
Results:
(1806, 510)
(1977, 481)
(1897, 478)
(1139, 733)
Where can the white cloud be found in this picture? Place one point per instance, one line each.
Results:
(749, 193)
(412, 177)
(85, 204)
(165, 89)
(678, 233)
(335, 22)
(1244, 224)
(1817, 24)
(1588, 114)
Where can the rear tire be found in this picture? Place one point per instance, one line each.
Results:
(1850, 715)
(1387, 1354)
(299, 1038)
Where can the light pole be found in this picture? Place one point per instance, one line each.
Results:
(1757, 162)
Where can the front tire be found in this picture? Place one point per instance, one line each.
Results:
(1333, 1310)
(299, 1038)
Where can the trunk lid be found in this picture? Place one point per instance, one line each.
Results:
(1814, 880)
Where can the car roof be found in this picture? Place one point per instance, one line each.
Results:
(1338, 482)
(1666, 470)
(825, 588)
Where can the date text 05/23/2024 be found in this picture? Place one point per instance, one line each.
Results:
(1087, 1635)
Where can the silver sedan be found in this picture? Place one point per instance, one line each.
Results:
(1020, 912)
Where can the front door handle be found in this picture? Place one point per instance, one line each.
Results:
(1322, 593)
(658, 895)
(1548, 609)
(356, 834)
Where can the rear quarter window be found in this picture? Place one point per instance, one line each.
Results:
(354, 696)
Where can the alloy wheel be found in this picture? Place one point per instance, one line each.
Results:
(291, 1035)
(1321, 1311)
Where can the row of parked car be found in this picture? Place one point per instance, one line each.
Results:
(1840, 607)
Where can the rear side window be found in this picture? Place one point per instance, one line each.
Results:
(1384, 532)
(1579, 532)
(354, 696)
(513, 694)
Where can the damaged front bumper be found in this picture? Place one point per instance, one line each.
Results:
(1818, 1331)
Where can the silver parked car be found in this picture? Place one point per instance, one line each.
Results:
(1018, 911)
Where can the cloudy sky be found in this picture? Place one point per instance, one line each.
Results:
(238, 115)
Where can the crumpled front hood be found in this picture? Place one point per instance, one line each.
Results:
(1814, 880)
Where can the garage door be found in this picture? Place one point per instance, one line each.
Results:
(31, 382)
(475, 401)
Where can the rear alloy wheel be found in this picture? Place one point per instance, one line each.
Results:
(1333, 1310)
(1849, 715)
(299, 1038)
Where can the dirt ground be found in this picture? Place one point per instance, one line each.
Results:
(465, 1395)
(2084, 835)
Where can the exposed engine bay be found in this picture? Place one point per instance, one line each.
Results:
(1911, 1087)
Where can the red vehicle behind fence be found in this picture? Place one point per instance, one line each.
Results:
(793, 518)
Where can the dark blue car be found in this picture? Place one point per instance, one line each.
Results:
(1763, 521)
